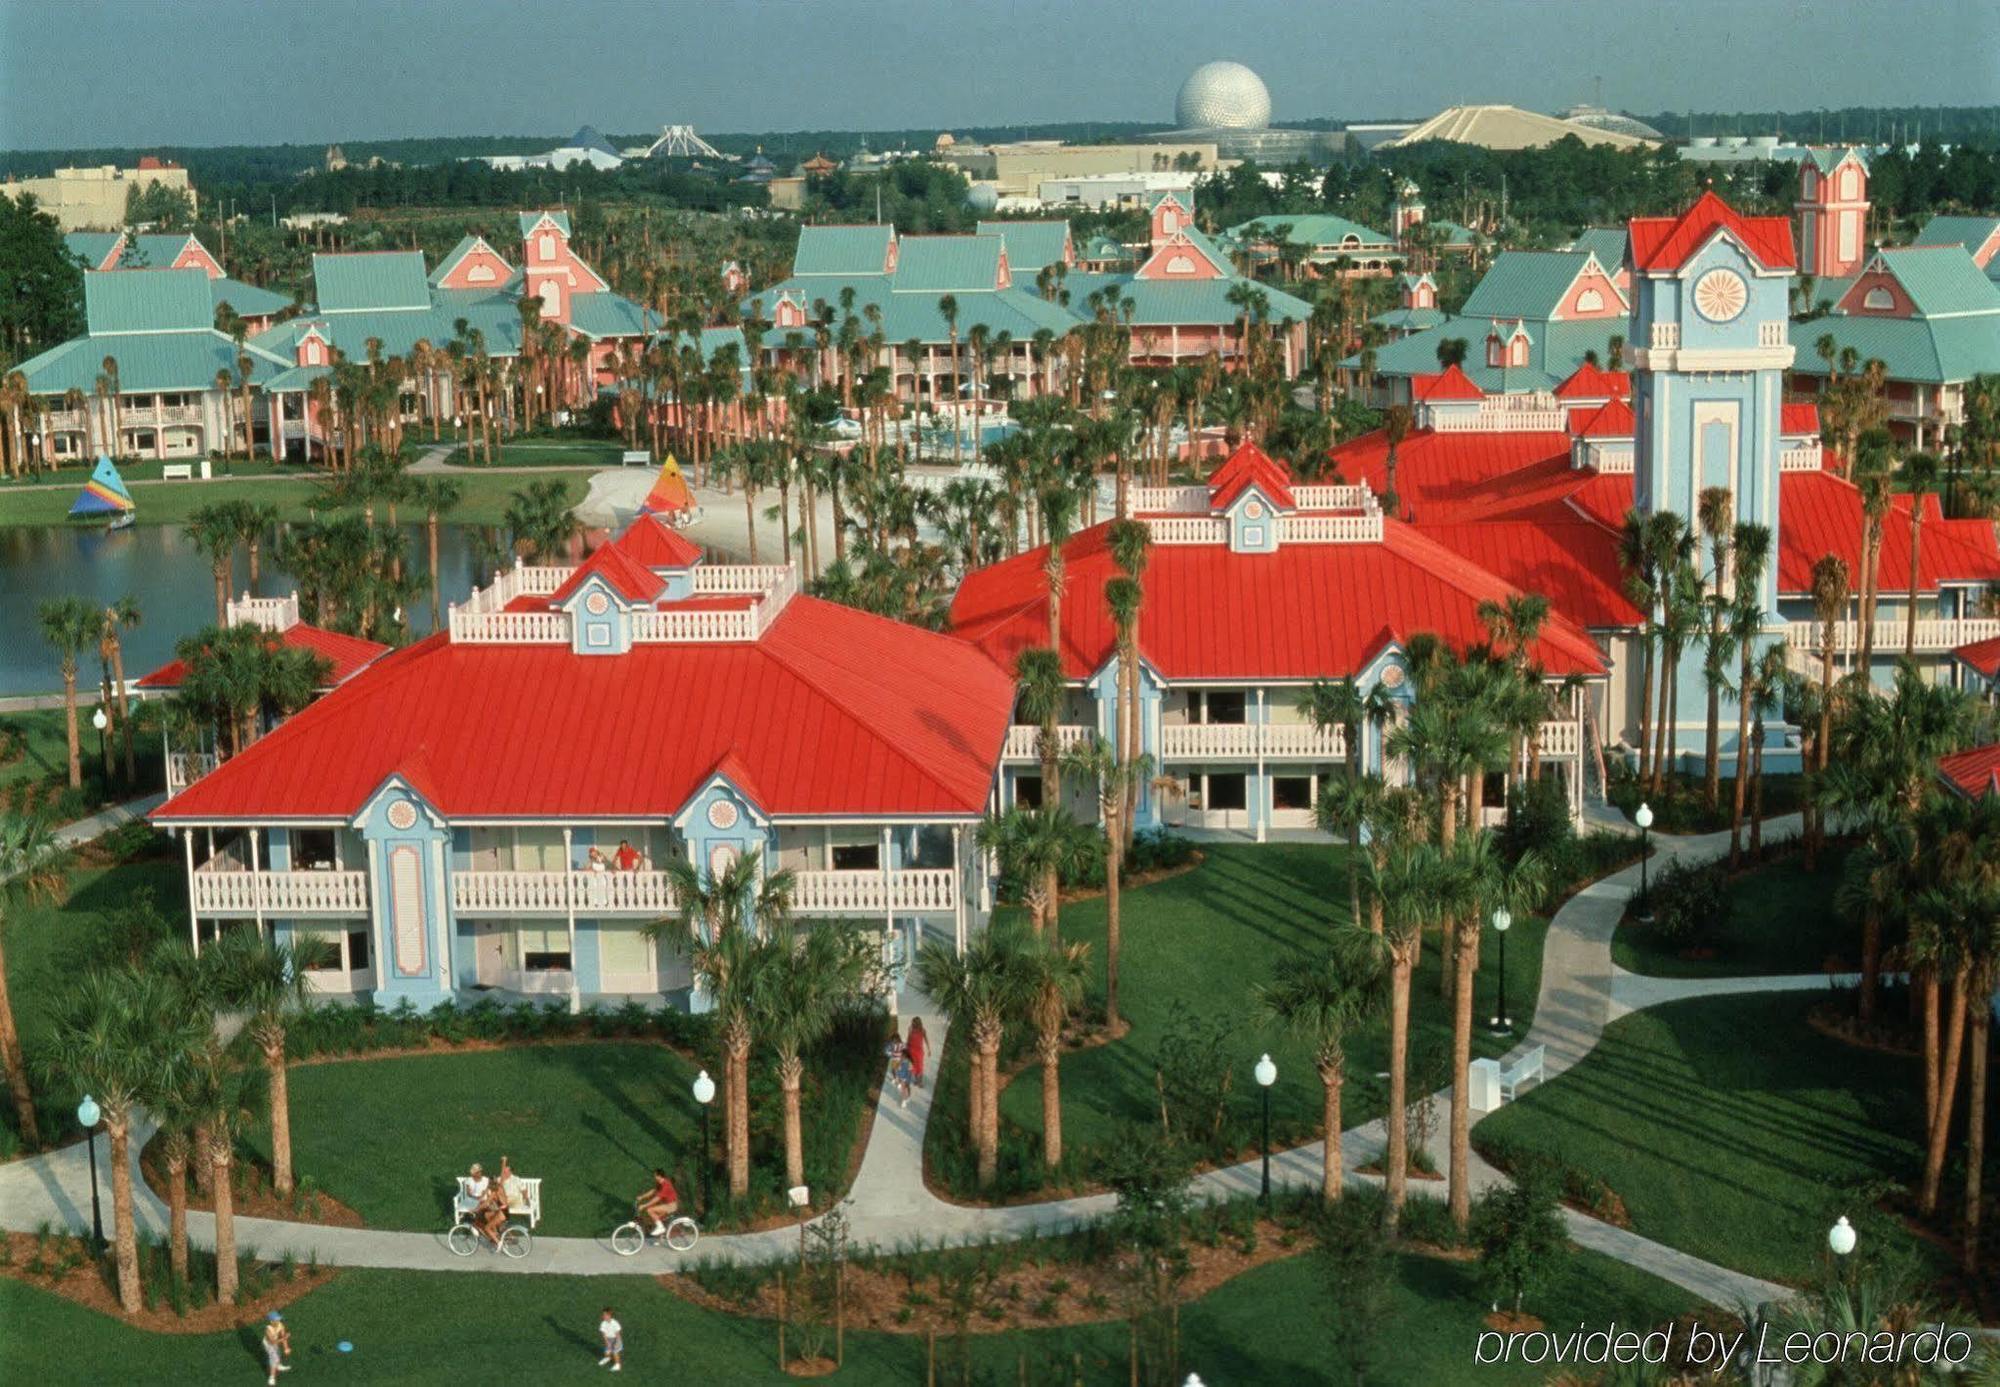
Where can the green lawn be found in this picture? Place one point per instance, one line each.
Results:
(1266, 1326)
(535, 452)
(1679, 807)
(387, 1136)
(1781, 920)
(50, 945)
(1730, 1128)
(42, 758)
(1207, 938)
(169, 503)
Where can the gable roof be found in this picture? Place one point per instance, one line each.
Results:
(1940, 280)
(831, 711)
(1982, 657)
(1525, 284)
(1974, 771)
(345, 656)
(619, 570)
(1827, 158)
(1588, 382)
(1309, 229)
(466, 246)
(947, 264)
(1662, 244)
(1930, 350)
(1250, 466)
(530, 220)
(1607, 243)
(1449, 384)
(1970, 232)
(843, 250)
(653, 544)
(1612, 419)
(248, 300)
(93, 247)
(364, 281)
(1030, 245)
(157, 250)
(116, 301)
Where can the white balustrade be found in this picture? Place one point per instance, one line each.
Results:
(511, 628)
(1168, 500)
(1024, 740)
(1801, 459)
(1934, 634)
(698, 625)
(1773, 333)
(738, 577)
(1302, 739)
(484, 616)
(223, 892)
(1190, 741)
(271, 613)
(1492, 416)
(868, 892)
(1188, 529)
(1333, 497)
(1559, 739)
(557, 893)
(186, 767)
(1330, 529)
(1666, 336)
(539, 580)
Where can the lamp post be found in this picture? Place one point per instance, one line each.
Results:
(87, 1114)
(100, 721)
(704, 1094)
(1840, 1240)
(1644, 818)
(1267, 1074)
(1502, 920)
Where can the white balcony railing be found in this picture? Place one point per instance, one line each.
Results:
(226, 892)
(1250, 741)
(186, 767)
(1934, 634)
(1331, 529)
(271, 613)
(1024, 740)
(558, 893)
(1666, 336)
(1188, 529)
(1332, 497)
(738, 577)
(1559, 739)
(873, 892)
(1168, 500)
(1805, 458)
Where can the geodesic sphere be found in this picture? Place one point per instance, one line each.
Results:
(1227, 96)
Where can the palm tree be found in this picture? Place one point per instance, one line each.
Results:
(253, 522)
(1407, 882)
(1130, 542)
(1099, 761)
(1829, 599)
(1752, 546)
(1771, 679)
(109, 1037)
(1050, 985)
(540, 518)
(1871, 478)
(1920, 475)
(1322, 996)
(801, 989)
(71, 626)
(1395, 428)
(714, 925)
(947, 305)
(1327, 704)
(978, 989)
(122, 615)
(1036, 847)
(1044, 690)
(214, 530)
(34, 869)
(436, 497)
(1716, 510)
(267, 983)
(219, 1102)
(175, 1097)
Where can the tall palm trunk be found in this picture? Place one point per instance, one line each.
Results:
(1330, 1078)
(281, 1113)
(1049, 1044)
(10, 1060)
(1927, 1002)
(1461, 1106)
(790, 1071)
(125, 1238)
(1645, 707)
(1954, 1043)
(738, 1080)
(177, 1207)
(986, 1054)
(1741, 787)
(1397, 1171)
(225, 1220)
(431, 535)
(124, 709)
(1975, 1127)
(1757, 790)
(69, 715)
(1114, 857)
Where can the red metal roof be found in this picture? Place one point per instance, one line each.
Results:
(1573, 563)
(1973, 772)
(1666, 243)
(1467, 476)
(1798, 420)
(346, 655)
(629, 578)
(1449, 384)
(832, 711)
(1612, 419)
(1982, 657)
(1590, 382)
(1250, 466)
(1820, 514)
(655, 544)
(1304, 612)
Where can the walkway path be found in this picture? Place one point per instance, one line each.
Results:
(889, 1205)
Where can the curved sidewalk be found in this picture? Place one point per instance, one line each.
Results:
(890, 1207)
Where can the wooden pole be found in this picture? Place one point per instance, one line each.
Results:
(1132, 1351)
(930, 1361)
(839, 1315)
(781, 1322)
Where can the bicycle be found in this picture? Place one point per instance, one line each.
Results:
(515, 1240)
(627, 1239)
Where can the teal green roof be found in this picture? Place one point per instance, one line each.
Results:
(1970, 232)
(1525, 283)
(1827, 158)
(529, 220)
(1607, 243)
(147, 361)
(92, 246)
(154, 250)
(370, 280)
(915, 314)
(1161, 303)
(946, 264)
(1929, 351)
(465, 247)
(1030, 245)
(605, 314)
(1105, 248)
(247, 299)
(296, 378)
(496, 316)
(1941, 280)
(1314, 230)
(1210, 251)
(1555, 351)
(159, 301)
(1454, 234)
(1411, 319)
(842, 250)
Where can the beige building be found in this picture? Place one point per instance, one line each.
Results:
(1019, 170)
(94, 199)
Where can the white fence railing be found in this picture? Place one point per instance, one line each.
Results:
(1666, 336)
(510, 628)
(669, 626)
(1330, 529)
(1168, 500)
(1505, 419)
(557, 893)
(483, 616)
(1249, 741)
(186, 767)
(1801, 459)
(1332, 497)
(226, 892)
(1559, 739)
(1934, 634)
(872, 892)
(738, 577)
(1024, 740)
(271, 613)
(1188, 529)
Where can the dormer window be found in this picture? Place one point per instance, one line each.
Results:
(1170, 221)
(1879, 300)
(1180, 265)
(545, 246)
(480, 274)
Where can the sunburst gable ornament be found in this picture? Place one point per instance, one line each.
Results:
(1720, 295)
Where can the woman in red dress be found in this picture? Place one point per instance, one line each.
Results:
(916, 1047)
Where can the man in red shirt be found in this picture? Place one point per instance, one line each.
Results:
(628, 856)
(660, 1202)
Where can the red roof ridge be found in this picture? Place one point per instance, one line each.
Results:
(1467, 576)
(626, 576)
(1250, 466)
(1974, 771)
(1666, 243)
(1591, 382)
(1449, 384)
(655, 544)
(1613, 418)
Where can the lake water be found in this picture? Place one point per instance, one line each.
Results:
(171, 580)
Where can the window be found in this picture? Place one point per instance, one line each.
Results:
(545, 246)
(1225, 705)
(312, 849)
(357, 950)
(1847, 177)
(1180, 265)
(1879, 299)
(859, 857)
(1230, 791)
(1589, 301)
(544, 950)
(1170, 221)
(328, 957)
(1027, 792)
(1291, 792)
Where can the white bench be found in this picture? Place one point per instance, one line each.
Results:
(642, 457)
(177, 472)
(1526, 1069)
(524, 1199)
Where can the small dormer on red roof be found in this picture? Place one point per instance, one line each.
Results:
(1799, 420)
(1592, 382)
(622, 573)
(1973, 772)
(1250, 466)
(655, 545)
(1449, 384)
(1664, 244)
(1612, 419)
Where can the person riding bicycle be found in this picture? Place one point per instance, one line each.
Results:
(490, 1215)
(659, 1202)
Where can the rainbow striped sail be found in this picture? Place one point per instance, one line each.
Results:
(670, 493)
(104, 493)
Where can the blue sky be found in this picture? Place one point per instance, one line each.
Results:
(256, 72)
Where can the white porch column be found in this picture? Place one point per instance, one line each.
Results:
(194, 920)
(1263, 804)
(888, 886)
(569, 908)
(958, 887)
(256, 886)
